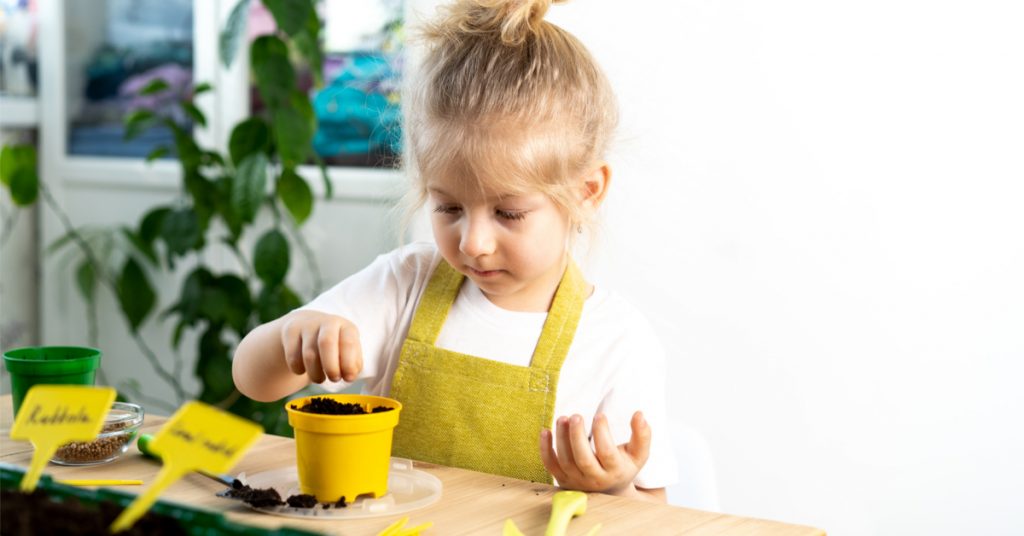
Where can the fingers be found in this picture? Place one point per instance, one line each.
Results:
(548, 457)
(351, 351)
(311, 354)
(327, 343)
(291, 342)
(322, 347)
(604, 444)
(566, 458)
(639, 446)
(581, 452)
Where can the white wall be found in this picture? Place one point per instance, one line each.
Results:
(821, 205)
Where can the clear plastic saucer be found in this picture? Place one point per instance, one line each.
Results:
(408, 489)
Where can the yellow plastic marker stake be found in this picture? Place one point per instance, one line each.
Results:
(197, 438)
(564, 506)
(102, 482)
(52, 415)
(398, 528)
(510, 529)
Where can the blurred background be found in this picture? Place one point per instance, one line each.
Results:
(818, 204)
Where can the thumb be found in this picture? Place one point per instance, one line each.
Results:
(639, 446)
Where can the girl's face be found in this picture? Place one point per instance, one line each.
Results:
(513, 246)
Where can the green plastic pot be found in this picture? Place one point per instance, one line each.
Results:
(49, 365)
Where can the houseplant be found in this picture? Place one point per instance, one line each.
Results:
(221, 196)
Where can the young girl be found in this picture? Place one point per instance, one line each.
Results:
(491, 332)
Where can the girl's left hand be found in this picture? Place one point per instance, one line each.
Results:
(607, 468)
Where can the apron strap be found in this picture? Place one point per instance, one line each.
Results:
(435, 303)
(560, 325)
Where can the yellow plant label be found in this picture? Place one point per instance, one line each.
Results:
(198, 437)
(52, 415)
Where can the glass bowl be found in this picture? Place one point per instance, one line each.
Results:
(119, 430)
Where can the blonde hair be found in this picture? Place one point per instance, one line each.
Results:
(509, 100)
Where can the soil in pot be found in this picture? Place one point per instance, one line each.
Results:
(329, 406)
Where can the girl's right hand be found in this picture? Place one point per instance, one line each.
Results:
(321, 346)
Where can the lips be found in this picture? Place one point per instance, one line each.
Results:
(483, 273)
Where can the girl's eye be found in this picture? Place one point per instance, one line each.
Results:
(514, 215)
(447, 209)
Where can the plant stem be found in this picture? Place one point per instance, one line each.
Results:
(8, 228)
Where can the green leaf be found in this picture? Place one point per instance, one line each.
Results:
(232, 35)
(152, 223)
(24, 186)
(307, 42)
(202, 88)
(294, 134)
(290, 15)
(136, 122)
(213, 304)
(159, 151)
(8, 163)
(156, 86)
(296, 195)
(249, 186)
(238, 302)
(13, 158)
(225, 185)
(191, 299)
(204, 197)
(181, 232)
(270, 258)
(86, 279)
(214, 367)
(179, 330)
(135, 294)
(276, 301)
(249, 136)
(274, 74)
(194, 113)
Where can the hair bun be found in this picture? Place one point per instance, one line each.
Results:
(513, 21)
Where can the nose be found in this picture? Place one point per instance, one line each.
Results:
(478, 237)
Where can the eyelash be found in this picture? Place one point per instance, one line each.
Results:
(506, 214)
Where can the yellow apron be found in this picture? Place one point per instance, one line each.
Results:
(464, 411)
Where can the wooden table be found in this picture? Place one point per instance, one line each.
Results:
(471, 502)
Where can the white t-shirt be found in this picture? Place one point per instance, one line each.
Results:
(616, 364)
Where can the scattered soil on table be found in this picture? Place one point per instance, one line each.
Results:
(259, 498)
(34, 514)
(263, 497)
(329, 406)
(301, 501)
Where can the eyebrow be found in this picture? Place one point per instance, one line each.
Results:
(437, 190)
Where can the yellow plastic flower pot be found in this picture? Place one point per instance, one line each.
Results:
(344, 455)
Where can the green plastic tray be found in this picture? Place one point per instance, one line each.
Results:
(196, 521)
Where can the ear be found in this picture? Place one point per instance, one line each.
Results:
(595, 185)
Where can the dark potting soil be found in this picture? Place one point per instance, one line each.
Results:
(302, 501)
(329, 406)
(34, 514)
(259, 498)
(340, 504)
(263, 497)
